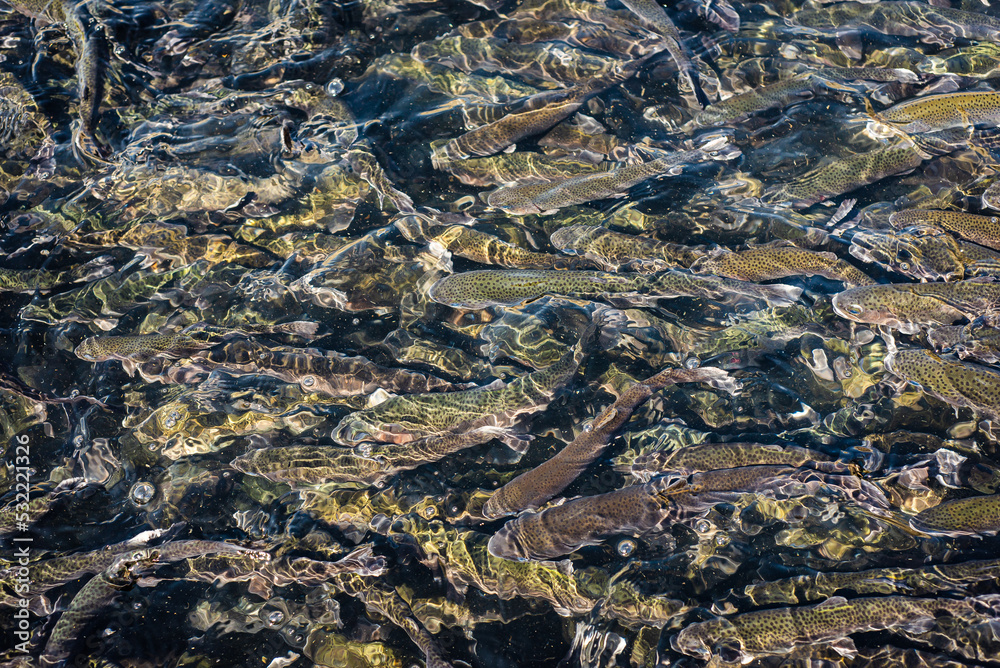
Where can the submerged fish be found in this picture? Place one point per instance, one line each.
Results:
(961, 384)
(407, 418)
(983, 230)
(549, 197)
(764, 263)
(942, 112)
(976, 515)
(714, 456)
(893, 580)
(533, 488)
(762, 633)
(641, 509)
(843, 175)
(922, 252)
(480, 289)
(908, 307)
(614, 251)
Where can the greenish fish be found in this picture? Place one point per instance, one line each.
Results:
(942, 112)
(615, 251)
(973, 516)
(893, 580)
(761, 633)
(547, 198)
(908, 307)
(406, 418)
(983, 230)
(715, 456)
(961, 384)
(533, 488)
(480, 289)
(765, 263)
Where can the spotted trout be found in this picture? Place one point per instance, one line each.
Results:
(480, 289)
(533, 488)
(547, 198)
(908, 307)
(961, 384)
(407, 418)
(983, 230)
(765, 263)
(746, 637)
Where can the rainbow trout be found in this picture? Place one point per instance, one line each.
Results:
(765, 263)
(652, 14)
(614, 251)
(976, 515)
(933, 25)
(751, 635)
(642, 509)
(908, 307)
(983, 230)
(961, 384)
(481, 247)
(943, 112)
(715, 456)
(922, 252)
(544, 111)
(480, 289)
(519, 167)
(547, 198)
(846, 174)
(409, 417)
(533, 488)
(893, 580)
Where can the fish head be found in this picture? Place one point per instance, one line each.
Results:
(923, 252)
(704, 640)
(870, 304)
(353, 430)
(91, 350)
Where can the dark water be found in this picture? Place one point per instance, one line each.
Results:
(741, 264)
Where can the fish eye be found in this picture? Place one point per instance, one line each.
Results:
(905, 266)
(854, 309)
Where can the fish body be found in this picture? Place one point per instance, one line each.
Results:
(893, 580)
(641, 509)
(932, 113)
(480, 289)
(715, 456)
(777, 631)
(549, 197)
(550, 108)
(614, 251)
(923, 252)
(463, 558)
(979, 340)
(961, 384)
(764, 263)
(908, 307)
(846, 174)
(976, 515)
(533, 488)
(979, 229)
(406, 418)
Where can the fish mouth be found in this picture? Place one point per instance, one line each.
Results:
(504, 546)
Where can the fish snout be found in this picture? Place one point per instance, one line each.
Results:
(352, 433)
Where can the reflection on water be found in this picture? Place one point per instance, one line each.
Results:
(482, 333)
